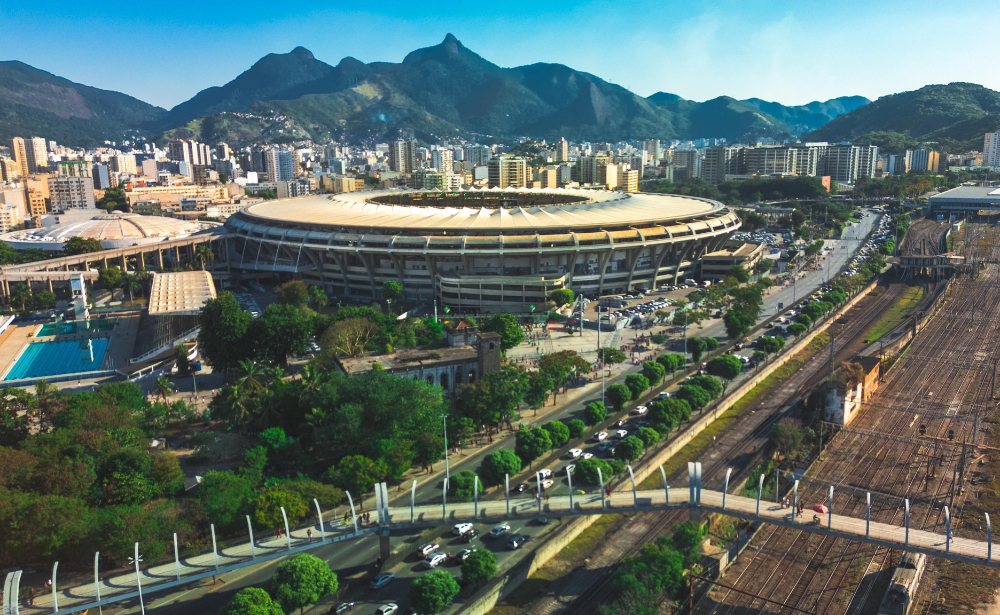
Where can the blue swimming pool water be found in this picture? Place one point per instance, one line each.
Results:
(56, 358)
(76, 326)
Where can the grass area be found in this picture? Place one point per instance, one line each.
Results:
(744, 405)
(571, 557)
(899, 312)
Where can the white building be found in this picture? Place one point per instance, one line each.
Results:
(991, 149)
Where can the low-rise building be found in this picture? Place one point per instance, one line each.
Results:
(717, 265)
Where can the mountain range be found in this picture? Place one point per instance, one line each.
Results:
(445, 90)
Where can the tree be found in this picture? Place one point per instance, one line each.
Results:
(611, 356)
(629, 449)
(252, 601)
(711, 384)
(594, 413)
(726, 367)
(687, 539)
(507, 387)
(225, 326)
(357, 474)
(167, 474)
(163, 387)
(480, 566)
(637, 384)
(539, 386)
(740, 273)
(797, 328)
(349, 337)
(530, 444)
(619, 395)
(576, 428)
(79, 245)
(294, 293)
(668, 413)
(696, 346)
(787, 439)
(14, 428)
(696, 397)
(269, 504)
(280, 331)
(110, 278)
(462, 486)
(804, 319)
(302, 580)
(558, 433)
(392, 291)
(181, 360)
(226, 498)
(204, 255)
(317, 298)
(771, 344)
(670, 362)
(586, 471)
(653, 371)
(648, 435)
(562, 296)
(498, 464)
(432, 592)
(738, 322)
(505, 325)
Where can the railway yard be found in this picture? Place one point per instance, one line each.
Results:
(942, 385)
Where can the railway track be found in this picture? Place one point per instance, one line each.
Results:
(784, 567)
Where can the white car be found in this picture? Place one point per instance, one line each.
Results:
(434, 560)
(546, 484)
(621, 433)
(545, 473)
(571, 468)
(574, 453)
(427, 549)
(588, 456)
(387, 609)
(600, 436)
(460, 528)
(640, 410)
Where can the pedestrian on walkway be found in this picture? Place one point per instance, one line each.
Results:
(309, 532)
(31, 596)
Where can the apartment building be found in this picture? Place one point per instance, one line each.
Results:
(403, 156)
(72, 191)
(442, 160)
(507, 172)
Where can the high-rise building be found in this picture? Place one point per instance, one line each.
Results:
(71, 192)
(719, 162)
(477, 155)
(102, 176)
(13, 210)
(771, 160)
(20, 154)
(74, 168)
(36, 204)
(508, 172)
(630, 180)
(191, 152)
(442, 160)
(589, 168)
(991, 149)
(403, 156)
(223, 151)
(652, 147)
(124, 163)
(562, 150)
(38, 155)
(10, 171)
(279, 165)
(149, 168)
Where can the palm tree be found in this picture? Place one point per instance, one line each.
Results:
(232, 407)
(45, 393)
(252, 378)
(312, 379)
(163, 388)
(133, 283)
(204, 254)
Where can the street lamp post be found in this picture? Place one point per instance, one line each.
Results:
(138, 581)
(447, 469)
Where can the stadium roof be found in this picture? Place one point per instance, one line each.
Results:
(182, 293)
(112, 230)
(594, 208)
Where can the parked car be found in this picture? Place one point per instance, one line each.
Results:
(516, 541)
(461, 528)
(435, 559)
(343, 607)
(382, 580)
(470, 535)
(574, 453)
(545, 473)
(601, 436)
(547, 483)
(387, 609)
(587, 456)
(621, 433)
(464, 554)
(640, 410)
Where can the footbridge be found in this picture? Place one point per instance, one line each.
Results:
(251, 551)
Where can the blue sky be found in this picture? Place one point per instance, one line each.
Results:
(792, 52)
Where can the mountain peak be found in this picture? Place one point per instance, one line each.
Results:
(302, 53)
(449, 39)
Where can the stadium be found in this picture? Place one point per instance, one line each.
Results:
(479, 251)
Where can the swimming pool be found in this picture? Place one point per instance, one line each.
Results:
(41, 359)
(73, 327)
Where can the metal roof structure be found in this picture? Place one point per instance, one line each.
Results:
(587, 209)
(113, 230)
(182, 293)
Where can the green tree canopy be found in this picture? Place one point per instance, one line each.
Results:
(223, 339)
(648, 435)
(498, 464)
(619, 395)
(505, 325)
(611, 356)
(711, 384)
(637, 384)
(294, 293)
(576, 428)
(269, 504)
(696, 346)
(629, 449)
(462, 486)
(302, 580)
(594, 413)
(558, 433)
(80, 245)
(282, 330)
(433, 592)
(392, 290)
(653, 371)
(726, 367)
(530, 444)
(480, 566)
(252, 601)
(562, 296)
(586, 471)
(357, 474)
(696, 397)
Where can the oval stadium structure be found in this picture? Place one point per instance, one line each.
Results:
(481, 250)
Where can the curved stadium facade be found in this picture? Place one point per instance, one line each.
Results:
(481, 250)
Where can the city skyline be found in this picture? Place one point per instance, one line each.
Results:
(699, 52)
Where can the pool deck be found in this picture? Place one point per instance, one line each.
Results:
(13, 341)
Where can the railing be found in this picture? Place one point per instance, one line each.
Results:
(184, 337)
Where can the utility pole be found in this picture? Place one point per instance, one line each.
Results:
(833, 337)
(600, 355)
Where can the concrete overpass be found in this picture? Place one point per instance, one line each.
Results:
(252, 551)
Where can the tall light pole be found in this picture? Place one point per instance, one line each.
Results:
(447, 469)
(138, 582)
(600, 354)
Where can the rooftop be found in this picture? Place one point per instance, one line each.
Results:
(182, 293)
(401, 361)
(986, 194)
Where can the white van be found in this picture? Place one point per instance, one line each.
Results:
(461, 528)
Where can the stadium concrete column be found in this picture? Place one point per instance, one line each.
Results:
(159, 258)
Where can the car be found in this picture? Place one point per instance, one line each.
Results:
(547, 483)
(574, 453)
(621, 433)
(499, 530)
(542, 520)
(516, 541)
(640, 410)
(601, 436)
(464, 554)
(545, 473)
(470, 535)
(427, 549)
(382, 580)
(587, 456)
(387, 609)
(620, 423)
(609, 452)
(460, 528)
(603, 446)
(435, 559)
(343, 607)
(572, 467)
(520, 488)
